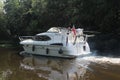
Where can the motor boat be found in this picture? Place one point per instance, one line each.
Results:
(57, 42)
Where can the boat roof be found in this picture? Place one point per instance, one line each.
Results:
(55, 30)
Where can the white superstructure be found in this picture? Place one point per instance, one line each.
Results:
(57, 41)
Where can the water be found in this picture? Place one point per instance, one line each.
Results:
(91, 67)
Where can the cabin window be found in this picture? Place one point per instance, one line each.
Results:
(42, 38)
(59, 44)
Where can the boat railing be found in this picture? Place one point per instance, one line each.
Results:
(25, 37)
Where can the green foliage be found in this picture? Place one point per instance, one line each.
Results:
(25, 17)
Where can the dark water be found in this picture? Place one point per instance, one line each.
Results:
(16, 67)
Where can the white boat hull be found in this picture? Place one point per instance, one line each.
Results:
(56, 51)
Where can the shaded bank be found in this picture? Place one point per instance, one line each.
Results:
(106, 43)
(10, 43)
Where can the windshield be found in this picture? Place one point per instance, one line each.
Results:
(42, 38)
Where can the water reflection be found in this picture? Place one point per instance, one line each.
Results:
(5, 74)
(92, 67)
(55, 68)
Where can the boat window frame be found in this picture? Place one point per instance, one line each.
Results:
(46, 38)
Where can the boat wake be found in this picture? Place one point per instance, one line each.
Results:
(101, 59)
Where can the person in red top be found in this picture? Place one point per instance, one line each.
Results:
(73, 30)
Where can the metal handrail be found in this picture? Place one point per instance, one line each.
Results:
(25, 37)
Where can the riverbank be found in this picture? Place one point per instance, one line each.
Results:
(105, 43)
(9, 44)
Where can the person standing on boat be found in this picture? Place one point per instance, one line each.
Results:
(74, 31)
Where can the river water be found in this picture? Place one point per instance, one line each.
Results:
(91, 67)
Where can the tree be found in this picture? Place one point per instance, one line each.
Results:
(32, 16)
(3, 30)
